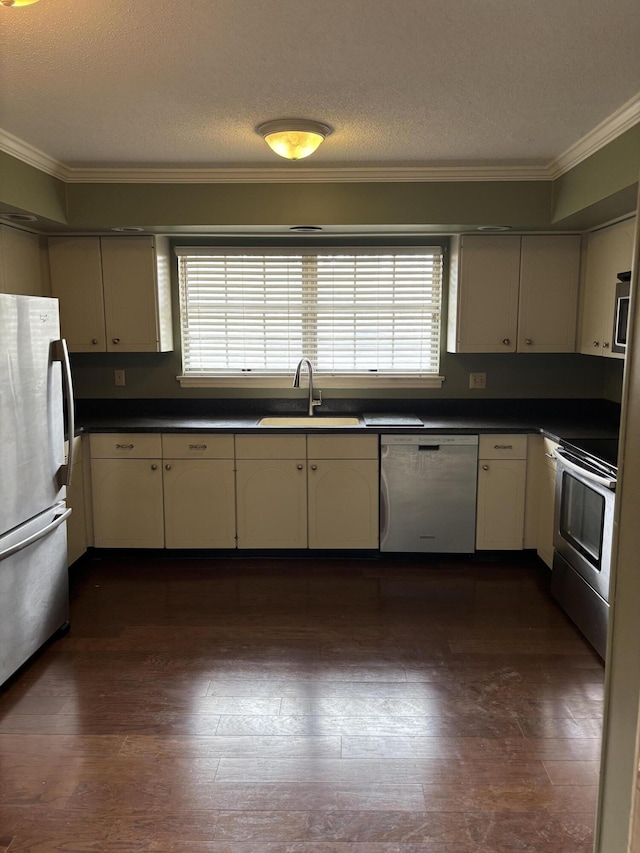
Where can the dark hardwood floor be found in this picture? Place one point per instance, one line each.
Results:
(289, 706)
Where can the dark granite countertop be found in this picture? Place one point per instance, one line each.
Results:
(561, 420)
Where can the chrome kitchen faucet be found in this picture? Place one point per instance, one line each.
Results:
(296, 384)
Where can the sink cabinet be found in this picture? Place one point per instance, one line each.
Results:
(114, 293)
(199, 490)
(502, 475)
(513, 294)
(271, 484)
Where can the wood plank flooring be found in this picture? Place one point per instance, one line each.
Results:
(316, 706)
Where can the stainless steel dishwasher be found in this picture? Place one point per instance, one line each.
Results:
(428, 493)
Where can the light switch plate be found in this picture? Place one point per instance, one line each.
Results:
(118, 377)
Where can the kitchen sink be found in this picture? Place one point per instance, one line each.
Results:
(306, 421)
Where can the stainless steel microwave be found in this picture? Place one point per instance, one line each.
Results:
(621, 313)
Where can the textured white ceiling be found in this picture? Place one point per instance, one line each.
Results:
(162, 83)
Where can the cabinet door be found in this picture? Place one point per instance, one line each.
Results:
(488, 285)
(127, 503)
(199, 503)
(501, 493)
(343, 503)
(130, 298)
(76, 279)
(548, 306)
(609, 251)
(271, 503)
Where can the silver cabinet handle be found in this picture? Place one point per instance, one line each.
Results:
(115, 340)
(506, 341)
(605, 345)
(197, 447)
(503, 446)
(485, 467)
(60, 352)
(167, 467)
(596, 343)
(314, 467)
(124, 446)
(154, 467)
(299, 467)
(528, 341)
(94, 341)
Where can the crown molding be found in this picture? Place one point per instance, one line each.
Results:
(308, 175)
(622, 120)
(21, 150)
(615, 125)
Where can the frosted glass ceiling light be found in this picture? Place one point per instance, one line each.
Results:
(293, 138)
(17, 2)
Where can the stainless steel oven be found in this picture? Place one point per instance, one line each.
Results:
(583, 532)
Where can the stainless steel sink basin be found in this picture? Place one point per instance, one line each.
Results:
(306, 421)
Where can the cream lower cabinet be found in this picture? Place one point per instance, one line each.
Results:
(502, 476)
(126, 487)
(77, 523)
(199, 491)
(271, 491)
(546, 499)
(343, 489)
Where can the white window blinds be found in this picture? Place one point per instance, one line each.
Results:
(351, 311)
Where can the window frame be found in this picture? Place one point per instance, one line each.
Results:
(329, 379)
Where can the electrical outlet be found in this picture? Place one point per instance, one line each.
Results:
(118, 376)
(477, 380)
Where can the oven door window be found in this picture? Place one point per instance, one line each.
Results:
(582, 519)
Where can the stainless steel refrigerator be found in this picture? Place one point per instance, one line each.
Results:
(35, 379)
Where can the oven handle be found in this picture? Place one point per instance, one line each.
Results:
(588, 475)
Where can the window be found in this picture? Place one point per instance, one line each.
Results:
(363, 314)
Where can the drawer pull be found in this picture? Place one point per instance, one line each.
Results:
(314, 467)
(154, 467)
(124, 446)
(485, 467)
(506, 341)
(115, 340)
(197, 447)
(168, 467)
(94, 341)
(299, 467)
(503, 446)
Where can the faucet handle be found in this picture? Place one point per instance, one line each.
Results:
(317, 402)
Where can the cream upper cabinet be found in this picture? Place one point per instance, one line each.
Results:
(483, 294)
(343, 488)
(21, 263)
(114, 293)
(502, 475)
(126, 487)
(511, 294)
(199, 490)
(548, 304)
(609, 251)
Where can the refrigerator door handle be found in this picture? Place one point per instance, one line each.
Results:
(61, 353)
(39, 534)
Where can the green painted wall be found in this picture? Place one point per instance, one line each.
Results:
(29, 190)
(523, 204)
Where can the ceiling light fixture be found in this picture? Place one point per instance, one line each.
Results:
(293, 138)
(10, 3)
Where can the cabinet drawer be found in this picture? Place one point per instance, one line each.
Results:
(197, 446)
(342, 446)
(125, 445)
(271, 446)
(502, 447)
